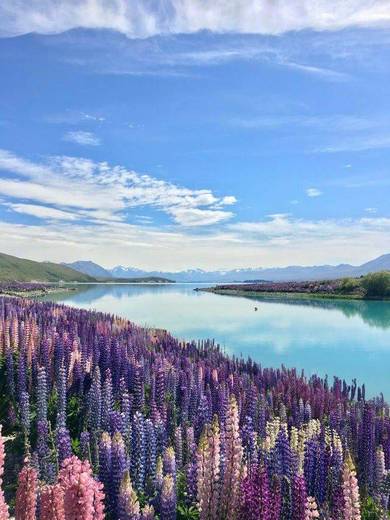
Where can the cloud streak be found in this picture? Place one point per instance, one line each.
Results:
(101, 192)
(140, 18)
(83, 138)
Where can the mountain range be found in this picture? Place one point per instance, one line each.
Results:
(291, 273)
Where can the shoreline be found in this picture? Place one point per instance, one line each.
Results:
(288, 295)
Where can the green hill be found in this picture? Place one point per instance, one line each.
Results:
(17, 269)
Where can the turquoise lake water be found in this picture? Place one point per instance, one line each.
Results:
(350, 339)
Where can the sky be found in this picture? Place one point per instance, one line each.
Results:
(213, 134)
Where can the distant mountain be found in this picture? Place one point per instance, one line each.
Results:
(17, 269)
(291, 273)
(90, 268)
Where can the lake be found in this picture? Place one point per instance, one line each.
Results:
(347, 338)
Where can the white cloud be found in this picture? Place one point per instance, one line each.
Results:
(228, 200)
(278, 240)
(141, 19)
(43, 212)
(371, 210)
(313, 192)
(82, 138)
(115, 189)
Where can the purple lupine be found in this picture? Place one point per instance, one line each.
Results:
(150, 450)
(25, 414)
(107, 401)
(299, 498)
(95, 402)
(169, 462)
(63, 444)
(138, 452)
(85, 446)
(61, 391)
(168, 499)
(118, 467)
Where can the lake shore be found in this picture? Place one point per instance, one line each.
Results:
(241, 292)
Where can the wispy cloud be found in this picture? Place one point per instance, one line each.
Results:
(83, 138)
(142, 19)
(101, 192)
(359, 143)
(313, 192)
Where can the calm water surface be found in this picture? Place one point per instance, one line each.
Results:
(344, 338)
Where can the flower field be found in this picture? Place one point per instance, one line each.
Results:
(104, 419)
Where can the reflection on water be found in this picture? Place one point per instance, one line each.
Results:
(347, 338)
(374, 313)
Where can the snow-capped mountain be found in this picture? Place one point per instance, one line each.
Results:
(241, 275)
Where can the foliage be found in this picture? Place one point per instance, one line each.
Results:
(377, 284)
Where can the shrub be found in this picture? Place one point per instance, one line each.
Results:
(377, 284)
(349, 285)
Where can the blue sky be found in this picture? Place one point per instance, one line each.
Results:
(179, 134)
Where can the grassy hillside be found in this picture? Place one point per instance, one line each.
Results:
(22, 270)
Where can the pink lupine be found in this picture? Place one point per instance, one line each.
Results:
(208, 478)
(233, 458)
(51, 505)
(311, 509)
(26, 495)
(83, 495)
(4, 515)
(350, 492)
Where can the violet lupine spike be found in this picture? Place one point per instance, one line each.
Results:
(138, 452)
(95, 402)
(168, 499)
(85, 446)
(25, 413)
(61, 391)
(107, 401)
(169, 462)
(150, 451)
(63, 444)
(299, 498)
(119, 466)
(42, 395)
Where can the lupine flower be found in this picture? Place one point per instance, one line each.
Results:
(51, 503)
(350, 492)
(138, 451)
(311, 509)
(83, 495)
(4, 515)
(208, 473)
(232, 471)
(282, 436)
(128, 506)
(168, 499)
(118, 468)
(26, 495)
